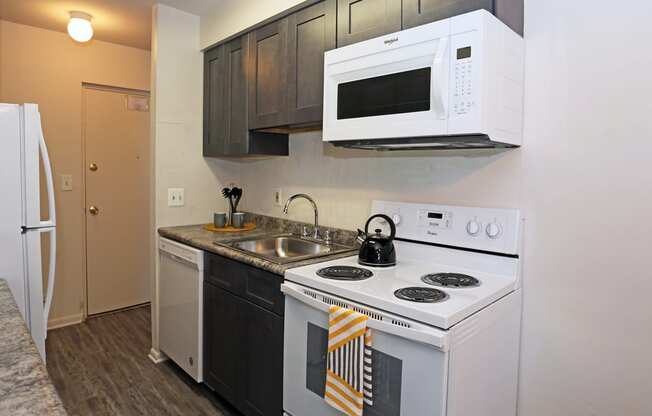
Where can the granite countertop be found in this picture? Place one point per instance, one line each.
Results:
(198, 237)
(25, 387)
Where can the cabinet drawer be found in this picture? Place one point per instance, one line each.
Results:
(257, 286)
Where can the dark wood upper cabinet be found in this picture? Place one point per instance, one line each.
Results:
(226, 122)
(419, 12)
(311, 32)
(214, 104)
(268, 75)
(359, 20)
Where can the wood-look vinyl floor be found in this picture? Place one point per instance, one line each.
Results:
(101, 367)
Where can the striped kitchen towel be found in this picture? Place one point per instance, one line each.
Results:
(348, 369)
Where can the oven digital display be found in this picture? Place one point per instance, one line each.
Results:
(435, 215)
(463, 53)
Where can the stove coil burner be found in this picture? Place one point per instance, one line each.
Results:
(348, 273)
(421, 294)
(450, 280)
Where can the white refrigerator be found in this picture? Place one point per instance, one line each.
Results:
(26, 222)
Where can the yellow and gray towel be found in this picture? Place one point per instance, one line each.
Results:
(348, 368)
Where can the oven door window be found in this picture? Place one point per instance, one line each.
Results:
(386, 374)
(402, 92)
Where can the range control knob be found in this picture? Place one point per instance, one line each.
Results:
(473, 228)
(493, 230)
(396, 218)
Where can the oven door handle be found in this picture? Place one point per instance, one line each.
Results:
(429, 336)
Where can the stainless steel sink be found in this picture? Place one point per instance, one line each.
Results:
(286, 248)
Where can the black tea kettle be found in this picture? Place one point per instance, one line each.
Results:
(377, 250)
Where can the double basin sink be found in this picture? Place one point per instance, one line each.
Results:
(286, 248)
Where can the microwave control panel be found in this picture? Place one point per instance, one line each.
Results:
(463, 94)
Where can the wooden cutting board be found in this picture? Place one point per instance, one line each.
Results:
(229, 229)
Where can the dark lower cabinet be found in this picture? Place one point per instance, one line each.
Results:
(243, 333)
(359, 20)
(419, 12)
(222, 331)
(263, 370)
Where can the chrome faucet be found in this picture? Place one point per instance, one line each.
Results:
(314, 207)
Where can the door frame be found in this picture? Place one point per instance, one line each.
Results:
(119, 90)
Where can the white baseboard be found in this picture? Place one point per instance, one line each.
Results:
(65, 321)
(157, 356)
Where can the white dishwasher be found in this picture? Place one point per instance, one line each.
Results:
(181, 303)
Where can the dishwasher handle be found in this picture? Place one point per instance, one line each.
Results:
(182, 253)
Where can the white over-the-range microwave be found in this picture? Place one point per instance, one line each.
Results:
(454, 83)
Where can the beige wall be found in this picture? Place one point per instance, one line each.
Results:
(177, 130)
(48, 68)
(582, 180)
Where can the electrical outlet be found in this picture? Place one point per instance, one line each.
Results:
(176, 197)
(66, 182)
(278, 197)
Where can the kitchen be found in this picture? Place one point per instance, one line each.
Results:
(564, 180)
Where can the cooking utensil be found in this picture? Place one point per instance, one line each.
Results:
(236, 193)
(377, 250)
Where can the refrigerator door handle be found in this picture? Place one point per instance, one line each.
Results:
(47, 167)
(51, 276)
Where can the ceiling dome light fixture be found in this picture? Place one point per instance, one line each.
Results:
(79, 27)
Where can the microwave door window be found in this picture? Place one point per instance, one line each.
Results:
(402, 92)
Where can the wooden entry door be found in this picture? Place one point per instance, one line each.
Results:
(117, 172)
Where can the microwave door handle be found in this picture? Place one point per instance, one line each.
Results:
(440, 78)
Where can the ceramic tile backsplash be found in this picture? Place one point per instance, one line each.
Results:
(344, 182)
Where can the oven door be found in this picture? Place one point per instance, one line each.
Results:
(389, 87)
(409, 376)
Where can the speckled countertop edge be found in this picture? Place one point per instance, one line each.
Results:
(198, 237)
(25, 387)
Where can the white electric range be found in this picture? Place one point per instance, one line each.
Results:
(446, 318)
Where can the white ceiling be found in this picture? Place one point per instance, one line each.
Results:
(127, 22)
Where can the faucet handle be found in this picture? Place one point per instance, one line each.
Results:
(304, 231)
(327, 237)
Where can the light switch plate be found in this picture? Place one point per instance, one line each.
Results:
(176, 197)
(66, 183)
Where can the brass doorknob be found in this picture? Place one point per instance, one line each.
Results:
(92, 167)
(93, 210)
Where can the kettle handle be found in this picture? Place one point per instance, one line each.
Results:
(392, 226)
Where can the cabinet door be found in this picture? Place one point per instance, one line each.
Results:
(223, 321)
(311, 32)
(235, 94)
(263, 362)
(268, 71)
(214, 103)
(419, 12)
(359, 20)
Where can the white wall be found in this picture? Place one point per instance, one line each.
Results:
(582, 179)
(588, 196)
(177, 130)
